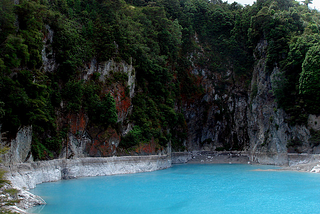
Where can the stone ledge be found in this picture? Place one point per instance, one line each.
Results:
(26, 176)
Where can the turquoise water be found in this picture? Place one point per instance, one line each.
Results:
(196, 189)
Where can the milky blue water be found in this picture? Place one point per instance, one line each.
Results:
(196, 189)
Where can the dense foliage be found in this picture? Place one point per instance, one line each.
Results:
(161, 37)
(9, 196)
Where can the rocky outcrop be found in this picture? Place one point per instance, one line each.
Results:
(180, 157)
(210, 157)
(86, 140)
(215, 120)
(109, 69)
(19, 147)
(48, 57)
(314, 122)
(83, 139)
(230, 115)
(268, 131)
(27, 200)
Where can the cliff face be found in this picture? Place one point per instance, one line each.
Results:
(268, 130)
(19, 147)
(231, 115)
(216, 119)
(84, 139)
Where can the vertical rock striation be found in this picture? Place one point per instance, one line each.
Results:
(229, 115)
(19, 147)
(268, 130)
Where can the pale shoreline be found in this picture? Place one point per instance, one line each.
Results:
(26, 176)
(308, 168)
(295, 161)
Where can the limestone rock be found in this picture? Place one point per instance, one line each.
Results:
(229, 116)
(19, 147)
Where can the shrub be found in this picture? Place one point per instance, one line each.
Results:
(132, 138)
(102, 111)
(72, 93)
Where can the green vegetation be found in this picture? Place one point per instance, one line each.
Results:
(315, 138)
(162, 39)
(9, 196)
(309, 80)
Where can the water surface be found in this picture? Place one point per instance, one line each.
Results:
(187, 189)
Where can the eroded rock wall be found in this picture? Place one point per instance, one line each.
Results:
(268, 131)
(86, 140)
(234, 115)
(19, 148)
(216, 119)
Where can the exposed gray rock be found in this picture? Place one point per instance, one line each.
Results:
(28, 175)
(316, 169)
(48, 58)
(180, 157)
(106, 68)
(215, 157)
(298, 159)
(19, 147)
(314, 122)
(28, 199)
(269, 133)
(228, 116)
(76, 146)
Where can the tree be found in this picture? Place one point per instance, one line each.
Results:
(2, 113)
(8, 194)
(108, 105)
(103, 111)
(309, 82)
(307, 2)
(7, 18)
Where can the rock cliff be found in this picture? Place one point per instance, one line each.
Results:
(82, 138)
(268, 130)
(232, 115)
(19, 147)
(86, 140)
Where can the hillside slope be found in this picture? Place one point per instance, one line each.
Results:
(111, 77)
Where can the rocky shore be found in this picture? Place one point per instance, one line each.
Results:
(208, 157)
(25, 176)
(290, 161)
